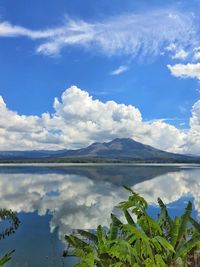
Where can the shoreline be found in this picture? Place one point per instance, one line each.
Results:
(100, 164)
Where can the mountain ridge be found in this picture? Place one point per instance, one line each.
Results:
(119, 149)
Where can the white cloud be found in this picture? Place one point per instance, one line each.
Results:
(80, 202)
(177, 52)
(180, 54)
(79, 120)
(130, 34)
(119, 70)
(190, 70)
(171, 187)
(9, 30)
(195, 119)
(193, 136)
(197, 55)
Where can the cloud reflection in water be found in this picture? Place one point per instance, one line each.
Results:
(77, 201)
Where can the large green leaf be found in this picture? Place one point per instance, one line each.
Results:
(122, 250)
(113, 231)
(183, 223)
(164, 243)
(6, 258)
(149, 225)
(77, 242)
(129, 217)
(90, 236)
(101, 240)
(175, 231)
(147, 243)
(185, 249)
(135, 201)
(116, 221)
(195, 224)
(159, 261)
(138, 233)
(149, 262)
(87, 259)
(164, 219)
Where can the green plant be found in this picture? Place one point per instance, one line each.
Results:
(142, 242)
(11, 217)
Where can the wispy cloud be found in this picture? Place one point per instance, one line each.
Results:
(9, 30)
(119, 70)
(166, 120)
(132, 34)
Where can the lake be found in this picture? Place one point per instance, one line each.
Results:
(53, 200)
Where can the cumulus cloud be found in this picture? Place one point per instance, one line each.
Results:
(80, 120)
(22, 132)
(119, 70)
(193, 135)
(189, 70)
(129, 34)
(75, 201)
(192, 139)
(171, 187)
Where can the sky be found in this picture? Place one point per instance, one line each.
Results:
(77, 72)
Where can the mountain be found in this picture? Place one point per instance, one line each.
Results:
(119, 149)
(126, 149)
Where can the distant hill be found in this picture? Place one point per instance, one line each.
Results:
(32, 154)
(120, 149)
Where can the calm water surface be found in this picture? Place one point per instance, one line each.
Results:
(52, 200)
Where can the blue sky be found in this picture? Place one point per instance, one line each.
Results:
(139, 53)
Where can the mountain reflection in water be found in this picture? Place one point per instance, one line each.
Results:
(74, 197)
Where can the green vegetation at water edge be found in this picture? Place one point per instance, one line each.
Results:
(141, 241)
(12, 219)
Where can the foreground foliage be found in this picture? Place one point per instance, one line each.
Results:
(11, 217)
(142, 242)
